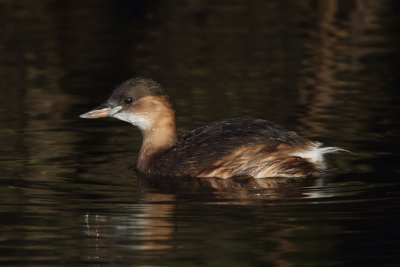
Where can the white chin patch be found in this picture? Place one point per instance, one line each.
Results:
(137, 120)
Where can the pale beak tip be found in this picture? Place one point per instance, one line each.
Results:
(101, 112)
(83, 116)
(96, 114)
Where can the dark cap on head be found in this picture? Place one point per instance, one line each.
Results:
(137, 88)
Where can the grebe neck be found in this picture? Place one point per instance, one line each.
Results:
(159, 136)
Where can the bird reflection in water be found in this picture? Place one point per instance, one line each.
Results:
(236, 189)
(152, 225)
(142, 227)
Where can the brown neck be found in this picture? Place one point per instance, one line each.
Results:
(157, 138)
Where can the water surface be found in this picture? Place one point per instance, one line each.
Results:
(327, 69)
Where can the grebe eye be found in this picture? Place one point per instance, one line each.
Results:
(128, 100)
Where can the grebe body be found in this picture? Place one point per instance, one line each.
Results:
(235, 147)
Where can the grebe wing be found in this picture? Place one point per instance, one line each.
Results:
(195, 150)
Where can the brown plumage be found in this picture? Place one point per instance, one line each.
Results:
(235, 147)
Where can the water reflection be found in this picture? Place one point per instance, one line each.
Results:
(326, 68)
(238, 190)
(334, 70)
(144, 227)
(176, 227)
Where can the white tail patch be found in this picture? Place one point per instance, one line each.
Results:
(316, 153)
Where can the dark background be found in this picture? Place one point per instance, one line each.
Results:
(328, 69)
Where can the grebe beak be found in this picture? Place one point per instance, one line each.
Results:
(103, 111)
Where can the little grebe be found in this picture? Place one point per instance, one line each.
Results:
(234, 147)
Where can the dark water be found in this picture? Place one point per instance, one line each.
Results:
(327, 69)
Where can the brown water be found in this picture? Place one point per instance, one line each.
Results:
(327, 69)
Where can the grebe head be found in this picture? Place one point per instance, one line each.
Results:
(143, 103)
(139, 101)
